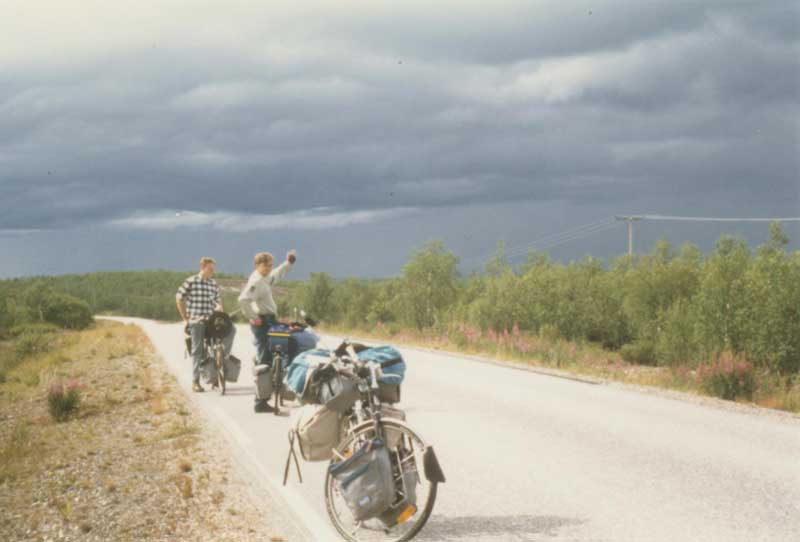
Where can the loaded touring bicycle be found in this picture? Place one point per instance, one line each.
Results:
(216, 369)
(382, 476)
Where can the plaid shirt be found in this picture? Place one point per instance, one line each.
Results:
(201, 296)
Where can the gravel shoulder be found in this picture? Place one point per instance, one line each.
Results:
(135, 463)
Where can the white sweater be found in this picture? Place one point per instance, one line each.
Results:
(256, 298)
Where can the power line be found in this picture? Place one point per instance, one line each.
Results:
(609, 226)
(554, 239)
(716, 219)
(563, 239)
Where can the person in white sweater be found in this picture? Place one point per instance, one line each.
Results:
(256, 300)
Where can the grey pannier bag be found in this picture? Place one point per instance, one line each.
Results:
(338, 393)
(365, 480)
(317, 429)
(208, 370)
(263, 381)
(233, 367)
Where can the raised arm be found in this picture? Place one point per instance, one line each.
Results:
(279, 272)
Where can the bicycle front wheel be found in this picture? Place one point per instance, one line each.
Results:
(277, 378)
(219, 359)
(415, 495)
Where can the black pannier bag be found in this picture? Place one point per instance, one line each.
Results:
(218, 325)
(327, 387)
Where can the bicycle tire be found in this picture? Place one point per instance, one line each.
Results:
(365, 431)
(220, 361)
(276, 383)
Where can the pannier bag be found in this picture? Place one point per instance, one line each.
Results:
(327, 387)
(388, 393)
(365, 480)
(233, 366)
(317, 430)
(208, 370)
(305, 339)
(394, 371)
(278, 336)
(338, 393)
(218, 325)
(262, 376)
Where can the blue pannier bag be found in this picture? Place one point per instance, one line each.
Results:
(297, 372)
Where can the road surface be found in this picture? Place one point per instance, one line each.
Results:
(532, 457)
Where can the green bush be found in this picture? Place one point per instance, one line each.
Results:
(640, 352)
(67, 312)
(728, 378)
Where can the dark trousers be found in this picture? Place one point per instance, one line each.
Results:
(260, 338)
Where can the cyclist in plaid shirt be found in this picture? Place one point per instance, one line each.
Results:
(197, 298)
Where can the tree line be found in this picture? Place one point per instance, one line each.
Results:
(671, 306)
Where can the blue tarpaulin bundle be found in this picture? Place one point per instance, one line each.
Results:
(392, 363)
(298, 370)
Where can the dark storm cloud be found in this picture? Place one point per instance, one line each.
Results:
(355, 108)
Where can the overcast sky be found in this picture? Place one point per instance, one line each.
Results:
(139, 135)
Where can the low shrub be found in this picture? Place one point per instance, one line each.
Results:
(728, 378)
(31, 343)
(68, 312)
(639, 352)
(63, 401)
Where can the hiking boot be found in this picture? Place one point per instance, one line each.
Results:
(262, 406)
(196, 386)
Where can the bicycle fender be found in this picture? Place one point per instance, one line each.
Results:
(433, 472)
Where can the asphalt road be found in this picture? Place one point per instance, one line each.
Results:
(533, 457)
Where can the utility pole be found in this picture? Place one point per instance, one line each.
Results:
(630, 219)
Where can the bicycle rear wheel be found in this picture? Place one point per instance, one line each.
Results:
(406, 518)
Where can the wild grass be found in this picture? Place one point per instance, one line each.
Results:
(176, 430)
(18, 447)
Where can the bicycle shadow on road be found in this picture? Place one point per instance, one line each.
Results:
(501, 527)
(246, 390)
